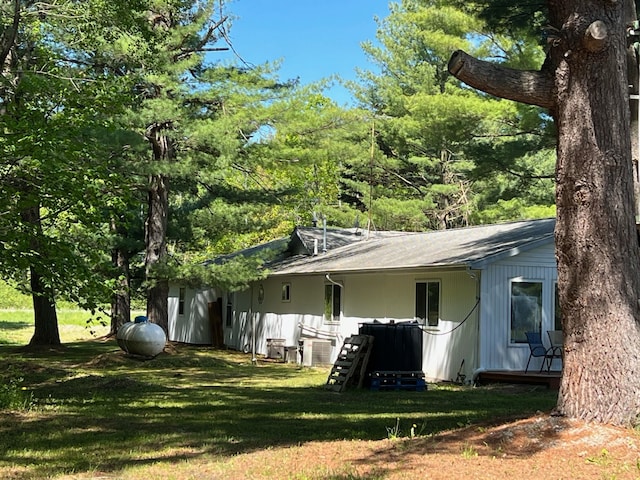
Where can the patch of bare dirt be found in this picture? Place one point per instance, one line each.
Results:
(106, 360)
(538, 447)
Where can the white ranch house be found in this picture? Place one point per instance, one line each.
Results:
(474, 292)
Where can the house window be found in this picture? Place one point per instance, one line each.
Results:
(229, 311)
(260, 293)
(286, 292)
(557, 312)
(428, 302)
(181, 296)
(526, 309)
(332, 302)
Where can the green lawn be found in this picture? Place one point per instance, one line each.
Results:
(16, 325)
(87, 407)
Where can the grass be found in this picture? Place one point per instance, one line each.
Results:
(93, 409)
(16, 319)
(16, 326)
(11, 298)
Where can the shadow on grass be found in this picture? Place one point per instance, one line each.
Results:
(96, 408)
(9, 327)
(4, 325)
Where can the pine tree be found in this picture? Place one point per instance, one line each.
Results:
(442, 144)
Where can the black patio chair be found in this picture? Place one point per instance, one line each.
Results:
(537, 349)
(556, 338)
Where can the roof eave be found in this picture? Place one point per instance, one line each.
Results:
(391, 270)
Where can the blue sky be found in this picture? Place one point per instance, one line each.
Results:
(313, 38)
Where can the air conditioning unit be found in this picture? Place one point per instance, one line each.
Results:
(275, 348)
(316, 352)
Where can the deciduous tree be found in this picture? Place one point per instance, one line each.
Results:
(56, 143)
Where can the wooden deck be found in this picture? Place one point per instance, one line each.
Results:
(551, 379)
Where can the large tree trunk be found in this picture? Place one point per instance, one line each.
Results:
(156, 251)
(44, 309)
(121, 301)
(584, 84)
(596, 240)
(44, 306)
(156, 229)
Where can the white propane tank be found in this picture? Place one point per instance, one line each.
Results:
(141, 337)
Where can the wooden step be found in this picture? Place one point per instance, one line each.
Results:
(351, 364)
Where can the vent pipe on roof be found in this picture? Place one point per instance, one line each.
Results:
(315, 246)
(324, 234)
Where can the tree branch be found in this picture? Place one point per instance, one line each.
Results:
(595, 37)
(9, 34)
(524, 86)
(201, 46)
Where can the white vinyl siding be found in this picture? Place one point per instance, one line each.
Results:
(496, 349)
(368, 298)
(189, 316)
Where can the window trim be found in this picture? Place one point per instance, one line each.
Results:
(512, 281)
(229, 310)
(556, 305)
(182, 296)
(285, 295)
(260, 294)
(335, 319)
(426, 321)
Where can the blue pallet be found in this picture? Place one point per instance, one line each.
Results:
(398, 381)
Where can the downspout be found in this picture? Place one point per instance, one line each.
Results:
(254, 360)
(330, 280)
(475, 275)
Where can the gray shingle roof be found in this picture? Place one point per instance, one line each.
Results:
(471, 247)
(334, 238)
(302, 242)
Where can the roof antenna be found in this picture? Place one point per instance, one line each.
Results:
(371, 158)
